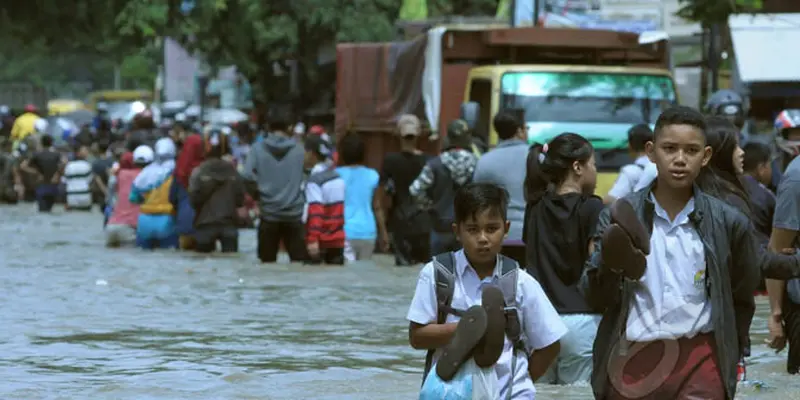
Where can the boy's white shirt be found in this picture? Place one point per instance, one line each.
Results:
(540, 322)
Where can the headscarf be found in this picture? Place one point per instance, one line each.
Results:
(158, 171)
(192, 155)
(126, 161)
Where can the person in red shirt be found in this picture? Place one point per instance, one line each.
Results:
(325, 205)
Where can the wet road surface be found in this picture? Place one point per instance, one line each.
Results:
(82, 321)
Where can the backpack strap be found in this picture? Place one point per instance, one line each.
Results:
(444, 271)
(509, 275)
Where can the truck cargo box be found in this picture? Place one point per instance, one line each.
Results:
(16, 95)
(427, 76)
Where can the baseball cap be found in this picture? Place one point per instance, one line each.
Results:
(143, 155)
(408, 125)
(318, 145)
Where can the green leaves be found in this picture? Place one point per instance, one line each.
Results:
(715, 11)
(255, 35)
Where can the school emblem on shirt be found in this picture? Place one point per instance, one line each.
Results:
(699, 279)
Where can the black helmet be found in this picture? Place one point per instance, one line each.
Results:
(729, 104)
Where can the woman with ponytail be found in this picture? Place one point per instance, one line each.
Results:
(560, 216)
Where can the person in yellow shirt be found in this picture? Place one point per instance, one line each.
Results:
(150, 189)
(24, 124)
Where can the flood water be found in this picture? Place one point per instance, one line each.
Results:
(80, 321)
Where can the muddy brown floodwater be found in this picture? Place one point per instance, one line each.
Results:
(81, 321)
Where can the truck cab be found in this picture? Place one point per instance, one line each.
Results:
(599, 102)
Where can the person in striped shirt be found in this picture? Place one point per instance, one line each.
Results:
(325, 203)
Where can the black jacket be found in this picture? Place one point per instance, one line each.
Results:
(216, 191)
(733, 258)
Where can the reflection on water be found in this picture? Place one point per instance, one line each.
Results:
(81, 321)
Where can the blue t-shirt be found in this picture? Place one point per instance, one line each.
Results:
(360, 183)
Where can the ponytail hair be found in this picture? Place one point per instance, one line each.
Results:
(549, 164)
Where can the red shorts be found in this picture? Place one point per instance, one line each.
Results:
(667, 369)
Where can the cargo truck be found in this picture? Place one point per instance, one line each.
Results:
(593, 82)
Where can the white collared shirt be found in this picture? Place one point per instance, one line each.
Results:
(629, 176)
(648, 176)
(539, 321)
(671, 300)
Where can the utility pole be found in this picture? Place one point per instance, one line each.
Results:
(713, 55)
(513, 14)
(117, 78)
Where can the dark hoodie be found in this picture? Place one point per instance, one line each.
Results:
(556, 234)
(276, 167)
(216, 191)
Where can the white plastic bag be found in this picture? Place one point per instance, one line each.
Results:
(470, 383)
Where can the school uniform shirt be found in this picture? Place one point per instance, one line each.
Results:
(671, 300)
(649, 175)
(541, 325)
(629, 176)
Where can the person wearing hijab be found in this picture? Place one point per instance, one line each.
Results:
(122, 221)
(191, 156)
(156, 224)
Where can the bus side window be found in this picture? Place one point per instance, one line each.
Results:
(480, 91)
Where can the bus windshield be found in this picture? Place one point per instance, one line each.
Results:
(578, 97)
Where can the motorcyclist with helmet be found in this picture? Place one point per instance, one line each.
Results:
(729, 104)
(787, 141)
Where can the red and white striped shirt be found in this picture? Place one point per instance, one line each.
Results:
(325, 201)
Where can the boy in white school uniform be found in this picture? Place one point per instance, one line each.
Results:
(673, 272)
(480, 225)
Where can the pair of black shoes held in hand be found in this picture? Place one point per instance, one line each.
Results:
(480, 334)
(625, 242)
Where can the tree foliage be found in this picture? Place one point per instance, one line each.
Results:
(715, 11)
(256, 36)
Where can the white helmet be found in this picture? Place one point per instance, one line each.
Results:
(40, 125)
(143, 155)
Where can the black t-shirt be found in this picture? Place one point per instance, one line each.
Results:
(762, 207)
(556, 233)
(101, 166)
(398, 172)
(47, 162)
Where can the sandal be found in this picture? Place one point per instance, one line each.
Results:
(488, 351)
(619, 255)
(469, 332)
(623, 214)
